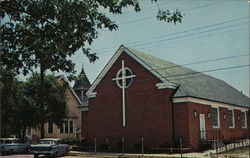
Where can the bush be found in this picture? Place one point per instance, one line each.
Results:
(71, 141)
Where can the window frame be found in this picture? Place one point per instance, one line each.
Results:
(65, 128)
(218, 117)
(233, 119)
(71, 128)
(244, 126)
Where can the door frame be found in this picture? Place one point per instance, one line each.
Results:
(202, 124)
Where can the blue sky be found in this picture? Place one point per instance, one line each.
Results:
(211, 29)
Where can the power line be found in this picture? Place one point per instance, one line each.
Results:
(171, 34)
(148, 44)
(203, 36)
(191, 34)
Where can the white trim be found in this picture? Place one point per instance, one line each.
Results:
(207, 102)
(245, 117)
(74, 94)
(92, 95)
(112, 61)
(165, 85)
(233, 118)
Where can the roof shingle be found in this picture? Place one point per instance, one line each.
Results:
(192, 83)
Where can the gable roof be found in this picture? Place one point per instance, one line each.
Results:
(190, 83)
(70, 88)
(194, 84)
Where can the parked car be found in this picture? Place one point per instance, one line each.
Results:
(13, 145)
(50, 147)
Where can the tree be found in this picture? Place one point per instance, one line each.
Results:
(21, 108)
(55, 103)
(7, 85)
(43, 33)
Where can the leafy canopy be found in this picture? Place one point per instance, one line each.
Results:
(20, 106)
(47, 32)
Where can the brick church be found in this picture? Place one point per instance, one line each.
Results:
(140, 96)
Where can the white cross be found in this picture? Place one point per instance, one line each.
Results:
(123, 78)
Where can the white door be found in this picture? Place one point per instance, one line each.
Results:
(202, 127)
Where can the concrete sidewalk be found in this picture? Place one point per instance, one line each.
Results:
(130, 155)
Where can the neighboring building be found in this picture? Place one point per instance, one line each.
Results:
(81, 86)
(71, 128)
(137, 95)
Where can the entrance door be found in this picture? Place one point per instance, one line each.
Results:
(202, 127)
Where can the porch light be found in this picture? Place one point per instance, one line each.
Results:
(195, 113)
(208, 115)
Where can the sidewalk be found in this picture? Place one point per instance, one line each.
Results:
(130, 155)
(205, 154)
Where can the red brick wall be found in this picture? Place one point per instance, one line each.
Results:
(84, 129)
(181, 123)
(148, 110)
(230, 133)
(194, 126)
(194, 123)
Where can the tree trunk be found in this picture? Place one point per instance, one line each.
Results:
(23, 134)
(42, 94)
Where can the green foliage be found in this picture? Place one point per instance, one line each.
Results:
(36, 32)
(55, 99)
(20, 106)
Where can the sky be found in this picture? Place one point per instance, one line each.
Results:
(215, 31)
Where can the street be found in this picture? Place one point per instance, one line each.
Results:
(30, 156)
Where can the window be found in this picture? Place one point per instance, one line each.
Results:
(231, 118)
(50, 127)
(244, 119)
(215, 117)
(67, 127)
(70, 126)
(62, 128)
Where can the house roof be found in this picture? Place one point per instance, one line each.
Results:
(192, 83)
(70, 88)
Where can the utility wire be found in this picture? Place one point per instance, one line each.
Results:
(199, 37)
(148, 44)
(171, 34)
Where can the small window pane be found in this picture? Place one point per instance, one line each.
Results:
(61, 128)
(243, 118)
(214, 117)
(70, 126)
(66, 127)
(230, 118)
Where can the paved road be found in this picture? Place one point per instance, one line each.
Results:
(30, 156)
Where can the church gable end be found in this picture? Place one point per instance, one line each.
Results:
(132, 112)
